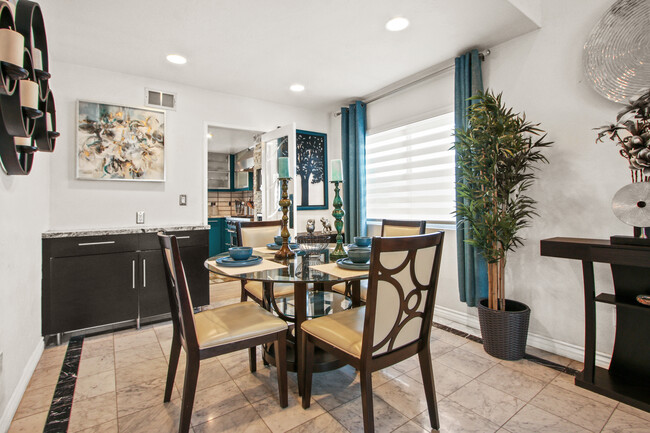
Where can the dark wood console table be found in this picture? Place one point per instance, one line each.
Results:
(628, 376)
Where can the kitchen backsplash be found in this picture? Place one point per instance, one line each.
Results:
(229, 203)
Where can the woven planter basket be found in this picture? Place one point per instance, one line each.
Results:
(504, 332)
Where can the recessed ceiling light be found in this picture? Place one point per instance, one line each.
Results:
(297, 87)
(397, 24)
(177, 59)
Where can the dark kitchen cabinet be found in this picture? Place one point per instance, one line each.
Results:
(91, 281)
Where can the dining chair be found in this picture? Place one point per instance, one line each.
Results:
(389, 228)
(214, 332)
(259, 234)
(394, 325)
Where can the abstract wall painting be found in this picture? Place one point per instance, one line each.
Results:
(311, 168)
(116, 142)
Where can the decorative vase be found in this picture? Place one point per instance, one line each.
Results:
(504, 333)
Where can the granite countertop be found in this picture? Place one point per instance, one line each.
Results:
(118, 231)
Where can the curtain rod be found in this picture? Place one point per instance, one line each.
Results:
(413, 80)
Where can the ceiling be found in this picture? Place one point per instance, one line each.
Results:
(339, 49)
(229, 140)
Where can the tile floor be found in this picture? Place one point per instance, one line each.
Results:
(121, 381)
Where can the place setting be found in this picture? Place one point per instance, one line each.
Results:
(240, 260)
(357, 262)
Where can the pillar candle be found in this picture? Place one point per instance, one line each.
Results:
(37, 58)
(337, 170)
(283, 167)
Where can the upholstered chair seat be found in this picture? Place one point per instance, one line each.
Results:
(342, 330)
(255, 288)
(342, 287)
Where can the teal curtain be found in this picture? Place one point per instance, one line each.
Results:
(472, 268)
(353, 147)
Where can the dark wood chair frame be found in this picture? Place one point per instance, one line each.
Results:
(367, 364)
(245, 294)
(404, 223)
(184, 334)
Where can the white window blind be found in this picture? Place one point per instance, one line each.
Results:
(410, 171)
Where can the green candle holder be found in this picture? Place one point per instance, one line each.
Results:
(338, 213)
(285, 252)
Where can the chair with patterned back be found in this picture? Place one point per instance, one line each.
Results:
(259, 234)
(389, 229)
(394, 325)
(213, 332)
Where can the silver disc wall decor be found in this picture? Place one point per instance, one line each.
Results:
(616, 56)
(631, 204)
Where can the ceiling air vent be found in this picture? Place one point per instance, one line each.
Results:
(159, 99)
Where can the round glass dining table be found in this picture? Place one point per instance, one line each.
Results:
(312, 297)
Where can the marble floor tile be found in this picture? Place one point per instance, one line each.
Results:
(466, 362)
(130, 340)
(634, 411)
(281, 420)
(530, 368)
(477, 349)
(35, 401)
(405, 394)
(96, 364)
(580, 410)
(241, 420)
(488, 402)
(29, 424)
(568, 382)
(211, 373)
(158, 419)
(623, 422)
(408, 364)
(448, 337)
(92, 386)
(446, 380)
(382, 376)
(513, 382)
(259, 385)
(530, 350)
(531, 419)
(141, 372)
(324, 423)
(92, 412)
(137, 397)
(52, 357)
(95, 348)
(576, 365)
(410, 427)
(127, 357)
(387, 418)
(108, 427)
(236, 363)
(455, 418)
(44, 377)
(218, 400)
(439, 348)
(333, 388)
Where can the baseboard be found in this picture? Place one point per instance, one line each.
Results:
(568, 350)
(17, 394)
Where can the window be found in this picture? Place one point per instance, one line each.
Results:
(410, 171)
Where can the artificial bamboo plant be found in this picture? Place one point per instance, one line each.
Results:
(495, 156)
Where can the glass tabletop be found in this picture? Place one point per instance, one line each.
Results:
(297, 270)
(319, 303)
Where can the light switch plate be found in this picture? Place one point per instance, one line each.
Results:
(139, 217)
(182, 200)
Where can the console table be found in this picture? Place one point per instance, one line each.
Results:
(628, 376)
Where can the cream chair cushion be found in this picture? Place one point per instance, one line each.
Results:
(233, 323)
(256, 289)
(340, 288)
(258, 236)
(343, 330)
(396, 231)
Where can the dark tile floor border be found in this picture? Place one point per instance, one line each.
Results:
(532, 358)
(59, 415)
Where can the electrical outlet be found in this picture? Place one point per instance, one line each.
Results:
(139, 217)
(182, 200)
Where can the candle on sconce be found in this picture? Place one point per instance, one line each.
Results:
(337, 170)
(283, 167)
(48, 120)
(38, 59)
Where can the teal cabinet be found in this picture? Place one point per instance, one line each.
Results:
(218, 235)
(235, 179)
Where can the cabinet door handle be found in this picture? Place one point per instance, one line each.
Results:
(182, 237)
(85, 244)
(133, 272)
(144, 272)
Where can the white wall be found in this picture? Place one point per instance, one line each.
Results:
(78, 204)
(25, 214)
(540, 73)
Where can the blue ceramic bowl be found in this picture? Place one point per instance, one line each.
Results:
(359, 254)
(240, 253)
(278, 240)
(362, 241)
